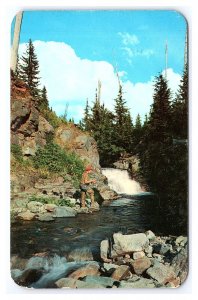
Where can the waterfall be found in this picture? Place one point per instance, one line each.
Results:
(120, 181)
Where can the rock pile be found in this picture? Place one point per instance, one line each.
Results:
(152, 261)
(140, 260)
(29, 210)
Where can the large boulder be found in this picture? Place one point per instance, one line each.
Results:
(141, 265)
(124, 244)
(64, 211)
(140, 283)
(122, 272)
(89, 269)
(27, 215)
(104, 282)
(162, 273)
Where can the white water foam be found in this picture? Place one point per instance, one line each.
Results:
(120, 181)
(54, 268)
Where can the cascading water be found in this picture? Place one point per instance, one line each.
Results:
(120, 181)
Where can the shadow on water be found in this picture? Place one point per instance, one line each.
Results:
(129, 214)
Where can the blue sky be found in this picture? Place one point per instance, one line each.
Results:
(96, 41)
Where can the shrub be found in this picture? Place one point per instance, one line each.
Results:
(17, 152)
(52, 118)
(56, 160)
(51, 200)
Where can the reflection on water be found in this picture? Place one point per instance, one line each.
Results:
(138, 214)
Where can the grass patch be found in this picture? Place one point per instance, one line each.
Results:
(51, 200)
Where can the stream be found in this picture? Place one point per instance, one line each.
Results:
(77, 239)
(82, 234)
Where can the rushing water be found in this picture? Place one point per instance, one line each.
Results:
(72, 241)
(120, 181)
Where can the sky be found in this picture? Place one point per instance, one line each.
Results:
(75, 49)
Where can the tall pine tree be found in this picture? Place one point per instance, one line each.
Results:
(137, 134)
(157, 140)
(180, 109)
(43, 102)
(29, 69)
(123, 123)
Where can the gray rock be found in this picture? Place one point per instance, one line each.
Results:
(88, 285)
(82, 210)
(47, 217)
(109, 268)
(101, 280)
(180, 264)
(165, 248)
(150, 235)
(26, 216)
(104, 249)
(66, 283)
(63, 212)
(140, 283)
(129, 243)
(162, 273)
(181, 241)
(149, 250)
(36, 207)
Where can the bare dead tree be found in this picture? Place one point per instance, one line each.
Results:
(15, 43)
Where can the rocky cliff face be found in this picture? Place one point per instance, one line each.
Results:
(28, 127)
(71, 138)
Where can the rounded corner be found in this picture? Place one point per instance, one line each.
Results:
(182, 15)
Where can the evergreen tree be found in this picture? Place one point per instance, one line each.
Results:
(43, 102)
(29, 69)
(85, 123)
(137, 134)
(123, 123)
(180, 109)
(156, 143)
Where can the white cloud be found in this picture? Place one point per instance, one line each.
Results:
(128, 39)
(129, 52)
(70, 79)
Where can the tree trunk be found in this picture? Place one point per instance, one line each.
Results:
(15, 43)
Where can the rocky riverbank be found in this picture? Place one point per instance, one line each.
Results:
(140, 260)
(28, 210)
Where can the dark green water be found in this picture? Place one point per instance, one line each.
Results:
(138, 214)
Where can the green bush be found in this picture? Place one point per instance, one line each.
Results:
(56, 160)
(52, 118)
(17, 152)
(51, 200)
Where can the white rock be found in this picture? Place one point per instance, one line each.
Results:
(104, 248)
(129, 243)
(181, 241)
(150, 235)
